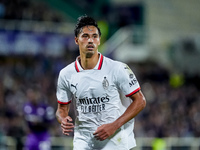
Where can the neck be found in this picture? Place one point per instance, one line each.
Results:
(89, 63)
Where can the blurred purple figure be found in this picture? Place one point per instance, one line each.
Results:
(38, 116)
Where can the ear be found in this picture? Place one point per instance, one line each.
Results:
(76, 40)
(99, 40)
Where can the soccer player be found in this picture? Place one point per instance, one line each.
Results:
(39, 117)
(94, 83)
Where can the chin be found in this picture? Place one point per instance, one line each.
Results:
(89, 54)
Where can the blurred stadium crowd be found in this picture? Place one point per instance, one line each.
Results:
(28, 10)
(172, 107)
(171, 111)
(172, 104)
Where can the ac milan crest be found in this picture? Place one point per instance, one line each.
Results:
(105, 83)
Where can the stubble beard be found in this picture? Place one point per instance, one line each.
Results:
(89, 54)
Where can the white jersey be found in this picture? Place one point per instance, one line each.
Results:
(96, 92)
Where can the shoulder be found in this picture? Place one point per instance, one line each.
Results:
(68, 70)
(114, 64)
(118, 68)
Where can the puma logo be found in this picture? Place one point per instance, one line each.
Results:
(74, 85)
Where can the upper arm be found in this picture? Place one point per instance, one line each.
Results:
(126, 80)
(63, 107)
(63, 92)
(139, 98)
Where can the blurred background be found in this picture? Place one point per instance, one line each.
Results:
(158, 39)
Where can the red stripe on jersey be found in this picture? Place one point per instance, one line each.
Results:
(76, 66)
(101, 62)
(65, 103)
(133, 92)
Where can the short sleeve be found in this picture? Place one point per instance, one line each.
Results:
(63, 93)
(126, 80)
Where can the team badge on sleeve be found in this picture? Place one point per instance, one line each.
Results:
(105, 83)
(132, 77)
(129, 71)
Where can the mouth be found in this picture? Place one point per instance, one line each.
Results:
(90, 47)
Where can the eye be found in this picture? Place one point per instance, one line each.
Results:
(95, 36)
(84, 35)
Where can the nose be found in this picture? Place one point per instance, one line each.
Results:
(90, 40)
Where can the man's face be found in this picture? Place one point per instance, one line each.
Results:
(88, 40)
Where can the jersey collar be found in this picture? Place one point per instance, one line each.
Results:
(97, 67)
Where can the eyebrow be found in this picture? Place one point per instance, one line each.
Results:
(88, 34)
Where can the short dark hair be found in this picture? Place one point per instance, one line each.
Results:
(85, 21)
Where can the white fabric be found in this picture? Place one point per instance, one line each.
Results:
(96, 93)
